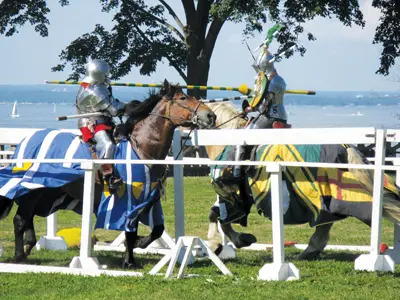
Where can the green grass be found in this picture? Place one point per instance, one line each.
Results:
(330, 277)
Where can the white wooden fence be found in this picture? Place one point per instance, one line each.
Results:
(279, 269)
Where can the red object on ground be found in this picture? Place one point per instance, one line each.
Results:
(383, 247)
(289, 243)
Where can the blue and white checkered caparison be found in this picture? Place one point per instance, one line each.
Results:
(136, 200)
(18, 179)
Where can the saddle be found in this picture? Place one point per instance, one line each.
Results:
(106, 173)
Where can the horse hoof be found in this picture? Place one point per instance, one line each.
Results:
(245, 240)
(219, 249)
(308, 255)
(28, 250)
(141, 243)
(132, 266)
(19, 258)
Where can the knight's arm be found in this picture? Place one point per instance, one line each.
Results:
(107, 103)
(116, 107)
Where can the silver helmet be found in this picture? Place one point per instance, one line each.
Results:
(263, 63)
(97, 71)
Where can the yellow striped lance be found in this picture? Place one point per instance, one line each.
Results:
(243, 89)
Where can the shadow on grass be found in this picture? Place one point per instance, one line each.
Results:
(115, 260)
(339, 256)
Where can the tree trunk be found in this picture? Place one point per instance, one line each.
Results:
(197, 74)
(200, 43)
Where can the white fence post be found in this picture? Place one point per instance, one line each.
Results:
(374, 261)
(51, 241)
(178, 186)
(84, 260)
(278, 270)
(51, 222)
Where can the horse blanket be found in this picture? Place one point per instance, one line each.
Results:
(137, 199)
(314, 195)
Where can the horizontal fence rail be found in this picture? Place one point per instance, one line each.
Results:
(307, 136)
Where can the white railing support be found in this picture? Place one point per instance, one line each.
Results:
(375, 261)
(278, 270)
(84, 260)
(51, 241)
(178, 186)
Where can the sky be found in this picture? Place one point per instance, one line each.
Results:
(341, 59)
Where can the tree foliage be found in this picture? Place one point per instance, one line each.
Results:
(388, 33)
(143, 36)
(15, 13)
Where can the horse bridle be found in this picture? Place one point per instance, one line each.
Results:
(193, 118)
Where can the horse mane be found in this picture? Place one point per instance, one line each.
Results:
(138, 110)
(225, 112)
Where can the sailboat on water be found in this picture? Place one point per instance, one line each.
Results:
(14, 113)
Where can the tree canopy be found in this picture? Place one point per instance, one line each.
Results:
(15, 13)
(143, 35)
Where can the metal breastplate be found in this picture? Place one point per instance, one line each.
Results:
(276, 109)
(277, 85)
(94, 98)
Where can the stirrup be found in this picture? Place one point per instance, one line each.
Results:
(114, 183)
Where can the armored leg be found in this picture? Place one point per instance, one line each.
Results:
(239, 154)
(105, 149)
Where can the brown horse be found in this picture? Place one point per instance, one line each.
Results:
(150, 125)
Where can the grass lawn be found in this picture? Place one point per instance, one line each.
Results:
(330, 277)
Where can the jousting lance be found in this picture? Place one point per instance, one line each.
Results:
(239, 98)
(243, 89)
(225, 99)
(87, 115)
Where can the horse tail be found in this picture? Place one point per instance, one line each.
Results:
(364, 176)
(5, 207)
(391, 201)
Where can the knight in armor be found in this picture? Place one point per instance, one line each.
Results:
(95, 95)
(267, 98)
(269, 89)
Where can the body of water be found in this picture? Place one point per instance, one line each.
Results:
(39, 105)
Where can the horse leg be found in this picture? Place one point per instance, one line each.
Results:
(129, 260)
(144, 241)
(318, 242)
(213, 235)
(30, 237)
(239, 239)
(19, 229)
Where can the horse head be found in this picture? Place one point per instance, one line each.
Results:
(184, 110)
